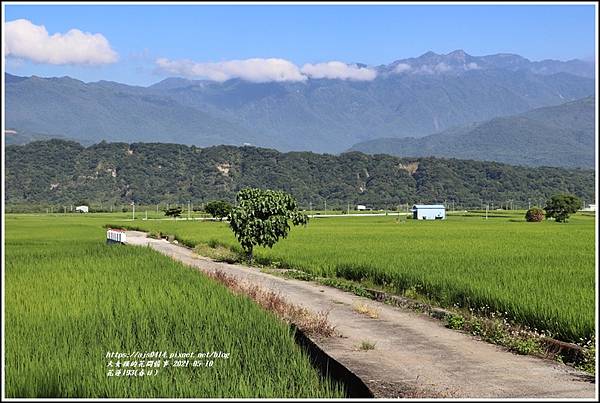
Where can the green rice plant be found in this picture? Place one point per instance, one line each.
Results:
(541, 275)
(70, 299)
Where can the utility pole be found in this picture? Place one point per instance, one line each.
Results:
(310, 206)
(156, 208)
(348, 208)
(133, 210)
(325, 206)
(487, 207)
(146, 215)
(189, 211)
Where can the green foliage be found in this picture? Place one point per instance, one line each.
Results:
(534, 214)
(173, 212)
(455, 321)
(56, 173)
(525, 345)
(262, 217)
(561, 206)
(218, 209)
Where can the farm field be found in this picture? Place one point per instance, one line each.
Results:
(539, 274)
(71, 299)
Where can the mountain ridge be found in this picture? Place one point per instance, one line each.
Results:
(561, 135)
(322, 115)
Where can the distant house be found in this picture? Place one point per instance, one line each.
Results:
(361, 207)
(429, 212)
(82, 209)
(590, 207)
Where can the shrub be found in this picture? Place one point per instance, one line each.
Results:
(561, 206)
(218, 209)
(535, 214)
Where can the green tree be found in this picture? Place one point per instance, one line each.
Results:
(561, 205)
(262, 217)
(535, 214)
(218, 209)
(173, 212)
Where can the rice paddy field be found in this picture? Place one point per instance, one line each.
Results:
(537, 274)
(70, 299)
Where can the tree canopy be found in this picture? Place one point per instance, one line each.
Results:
(218, 209)
(173, 212)
(262, 217)
(560, 206)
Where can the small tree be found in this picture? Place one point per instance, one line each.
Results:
(262, 217)
(560, 206)
(173, 212)
(218, 209)
(534, 214)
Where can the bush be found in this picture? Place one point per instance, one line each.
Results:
(561, 206)
(218, 209)
(535, 214)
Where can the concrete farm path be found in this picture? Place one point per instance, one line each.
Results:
(414, 355)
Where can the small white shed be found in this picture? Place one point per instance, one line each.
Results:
(82, 209)
(361, 207)
(429, 212)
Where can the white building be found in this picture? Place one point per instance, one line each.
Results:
(82, 209)
(590, 207)
(429, 212)
(361, 207)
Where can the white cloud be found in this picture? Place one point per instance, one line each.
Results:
(442, 67)
(255, 70)
(264, 70)
(339, 70)
(26, 40)
(401, 68)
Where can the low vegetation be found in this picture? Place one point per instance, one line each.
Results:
(70, 299)
(494, 265)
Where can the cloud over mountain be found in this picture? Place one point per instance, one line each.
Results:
(254, 70)
(339, 70)
(25, 40)
(259, 70)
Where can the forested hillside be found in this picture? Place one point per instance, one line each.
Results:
(561, 135)
(65, 172)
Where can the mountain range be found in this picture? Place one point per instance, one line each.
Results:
(408, 98)
(560, 135)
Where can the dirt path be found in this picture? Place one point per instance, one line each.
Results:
(414, 355)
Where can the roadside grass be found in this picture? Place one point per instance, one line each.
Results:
(364, 309)
(70, 299)
(366, 345)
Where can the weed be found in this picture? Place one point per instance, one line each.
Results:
(455, 321)
(366, 345)
(364, 309)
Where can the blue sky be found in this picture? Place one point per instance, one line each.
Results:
(370, 34)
